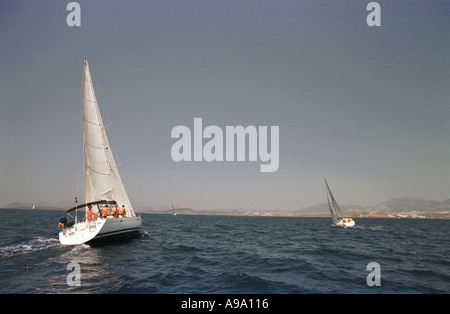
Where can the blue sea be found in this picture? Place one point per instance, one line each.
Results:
(187, 254)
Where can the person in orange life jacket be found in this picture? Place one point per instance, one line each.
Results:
(90, 215)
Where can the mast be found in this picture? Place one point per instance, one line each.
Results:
(102, 180)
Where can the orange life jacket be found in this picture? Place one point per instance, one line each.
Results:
(91, 216)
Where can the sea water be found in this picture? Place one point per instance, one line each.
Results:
(228, 254)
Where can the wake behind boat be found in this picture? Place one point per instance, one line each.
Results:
(102, 182)
(336, 214)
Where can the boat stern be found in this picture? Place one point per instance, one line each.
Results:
(81, 232)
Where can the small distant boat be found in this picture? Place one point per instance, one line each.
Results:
(34, 207)
(173, 210)
(336, 214)
(102, 182)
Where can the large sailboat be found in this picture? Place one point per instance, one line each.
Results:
(336, 214)
(102, 182)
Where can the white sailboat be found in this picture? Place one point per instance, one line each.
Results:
(336, 214)
(102, 182)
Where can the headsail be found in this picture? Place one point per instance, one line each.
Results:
(102, 178)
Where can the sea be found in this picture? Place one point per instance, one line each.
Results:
(205, 254)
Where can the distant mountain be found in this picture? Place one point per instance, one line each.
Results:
(406, 204)
(401, 207)
(190, 211)
(19, 205)
(186, 211)
(444, 205)
(323, 208)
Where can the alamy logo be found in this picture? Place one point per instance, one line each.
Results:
(74, 278)
(235, 144)
(74, 17)
(374, 278)
(374, 17)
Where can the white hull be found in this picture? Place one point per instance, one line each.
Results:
(345, 224)
(102, 228)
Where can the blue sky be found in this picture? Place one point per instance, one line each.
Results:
(366, 107)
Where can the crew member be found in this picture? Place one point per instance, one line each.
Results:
(62, 223)
(105, 211)
(122, 211)
(115, 211)
(90, 215)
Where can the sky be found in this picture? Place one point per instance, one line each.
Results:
(366, 107)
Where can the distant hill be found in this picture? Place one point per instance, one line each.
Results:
(400, 204)
(401, 207)
(323, 208)
(190, 211)
(406, 204)
(19, 205)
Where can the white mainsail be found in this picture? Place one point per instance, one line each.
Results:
(334, 216)
(101, 176)
(336, 213)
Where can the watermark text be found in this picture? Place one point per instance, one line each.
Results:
(234, 144)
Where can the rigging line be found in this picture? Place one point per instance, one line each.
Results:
(80, 154)
(93, 146)
(96, 171)
(88, 99)
(89, 122)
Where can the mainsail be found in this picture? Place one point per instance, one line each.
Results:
(101, 177)
(336, 213)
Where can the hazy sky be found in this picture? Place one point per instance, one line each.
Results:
(366, 107)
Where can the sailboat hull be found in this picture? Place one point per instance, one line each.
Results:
(104, 229)
(345, 224)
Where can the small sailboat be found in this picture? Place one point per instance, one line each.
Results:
(173, 210)
(336, 214)
(102, 182)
